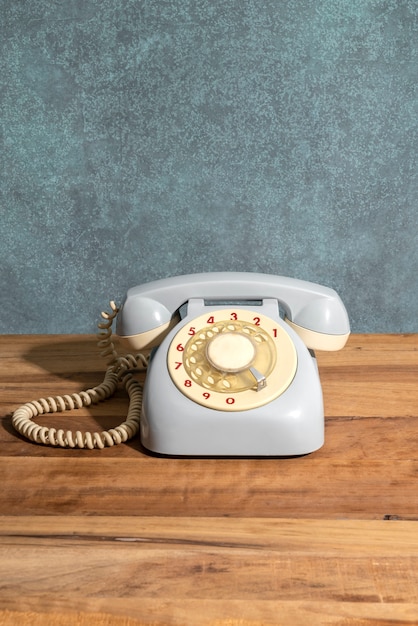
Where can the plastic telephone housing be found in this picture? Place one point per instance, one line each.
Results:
(287, 425)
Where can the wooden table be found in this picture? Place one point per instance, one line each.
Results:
(120, 536)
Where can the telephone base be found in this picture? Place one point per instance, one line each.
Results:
(287, 423)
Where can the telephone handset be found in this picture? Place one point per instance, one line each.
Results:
(313, 311)
(228, 375)
(232, 377)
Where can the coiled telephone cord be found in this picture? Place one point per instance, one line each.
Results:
(119, 371)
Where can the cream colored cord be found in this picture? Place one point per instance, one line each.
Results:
(118, 371)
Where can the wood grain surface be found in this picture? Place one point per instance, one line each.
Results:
(121, 536)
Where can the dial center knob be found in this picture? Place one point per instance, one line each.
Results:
(231, 352)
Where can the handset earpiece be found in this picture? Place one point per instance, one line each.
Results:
(144, 322)
(322, 323)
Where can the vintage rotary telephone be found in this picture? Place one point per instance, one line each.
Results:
(228, 374)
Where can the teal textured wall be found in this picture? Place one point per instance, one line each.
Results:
(148, 138)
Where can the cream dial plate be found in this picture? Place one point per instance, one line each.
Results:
(232, 359)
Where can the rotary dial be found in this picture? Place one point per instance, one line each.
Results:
(232, 359)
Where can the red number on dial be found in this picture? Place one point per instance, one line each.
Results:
(234, 317)
(178, 364)
(187, 383)
(211, 320)
(256, 321)
(192, 330)
(180, 348)
(206, 395)
(230, 400)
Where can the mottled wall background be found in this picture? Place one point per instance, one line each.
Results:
(148, 138)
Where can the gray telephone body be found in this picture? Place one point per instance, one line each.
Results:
(231, 376)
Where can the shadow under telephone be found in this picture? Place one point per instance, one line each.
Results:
(228, 375)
